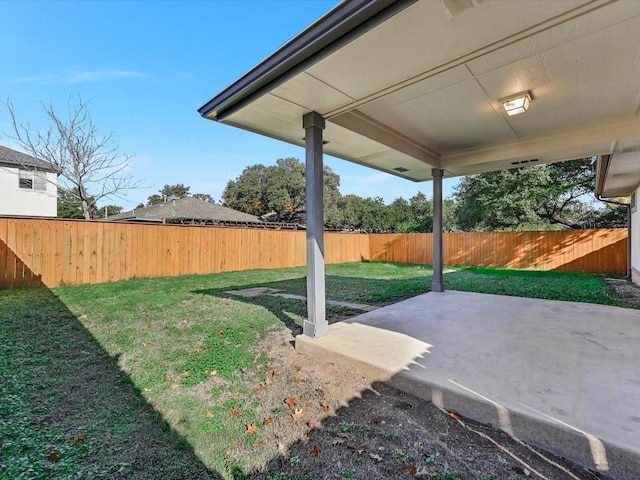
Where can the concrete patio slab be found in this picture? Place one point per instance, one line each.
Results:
(561, 375)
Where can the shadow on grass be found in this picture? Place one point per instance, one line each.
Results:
(291, 312)
(68, 411)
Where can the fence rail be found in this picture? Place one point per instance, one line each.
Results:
(69, 252)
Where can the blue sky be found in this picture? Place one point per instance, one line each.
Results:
(146, 67)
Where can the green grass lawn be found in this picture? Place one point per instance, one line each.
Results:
(136, 379)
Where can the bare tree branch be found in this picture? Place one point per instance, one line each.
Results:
(90, 166)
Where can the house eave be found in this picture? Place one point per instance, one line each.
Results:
(339, 26)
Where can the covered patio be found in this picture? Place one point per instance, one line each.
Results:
(560, 375)
(429, 89)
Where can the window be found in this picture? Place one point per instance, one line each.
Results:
(32, 180)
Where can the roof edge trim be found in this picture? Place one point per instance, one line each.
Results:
(336, 28)
(602, 167)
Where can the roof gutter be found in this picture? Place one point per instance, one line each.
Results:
(344, 23)
(602, 167)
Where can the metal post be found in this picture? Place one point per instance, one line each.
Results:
(316, 323)
(436, 283)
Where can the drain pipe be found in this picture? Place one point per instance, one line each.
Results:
(599, 197)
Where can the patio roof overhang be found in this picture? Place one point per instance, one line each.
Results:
(409, 86)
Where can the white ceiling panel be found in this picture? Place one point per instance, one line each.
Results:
(448, 119)
(602, 18)
(315, 95)
(416, 90)
(573, 83)
(423, 37)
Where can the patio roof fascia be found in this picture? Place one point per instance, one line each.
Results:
(602, 165)
(339, 26)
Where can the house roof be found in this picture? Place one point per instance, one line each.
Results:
(12, 157)
(410, 86)
(186, 209)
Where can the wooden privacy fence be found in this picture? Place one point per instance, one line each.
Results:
(69, 252)
(594, 251)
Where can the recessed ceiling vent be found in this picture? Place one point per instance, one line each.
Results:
(521, 162)
(401, 169)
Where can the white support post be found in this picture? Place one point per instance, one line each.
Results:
(437, 283)
(316, 324)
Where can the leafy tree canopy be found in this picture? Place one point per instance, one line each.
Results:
(539, 197)
(279, 191)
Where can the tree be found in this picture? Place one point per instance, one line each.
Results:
(69, 206)
(109, 210)
(90, 166)
(205, 197)
(528, 198)
(176, 191)
(280, 191)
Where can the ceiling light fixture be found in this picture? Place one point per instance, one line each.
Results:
(516, 104)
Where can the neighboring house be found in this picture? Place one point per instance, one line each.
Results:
(28, 186)
(189, 211)
(619, 175)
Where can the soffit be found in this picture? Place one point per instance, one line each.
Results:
(421, 89)
(623, 174)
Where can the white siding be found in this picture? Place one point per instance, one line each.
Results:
(635, 239)
(22, 201)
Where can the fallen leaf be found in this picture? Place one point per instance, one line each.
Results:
(297, 414)
(209, 414)
(315, 451)
(167, 377)
(214, 373)
(149, 325)
(454, 415)
(325, 407)
(310, 424)
(258, 389)
(82, 316)
(305, 438)
(197, 350)
(238, 345)
(221, 331)
(358, 450)
(185, 321)
(257, 444)
(412, 470)
(235, 411)
(78, 439)
(184, 374)
(291, 401)
(296, 380)
(268, 421)
(270, 373)
(422, 472)
(375, 456)
(53, 457)
(297, 368)
(251, 428)
(145, 344)
(147, 389)
(174, 386)
(268, 382)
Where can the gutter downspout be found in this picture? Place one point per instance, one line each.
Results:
(599, 197)
(601, 173)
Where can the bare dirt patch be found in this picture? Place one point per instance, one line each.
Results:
(625, 291)
(329, 422)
